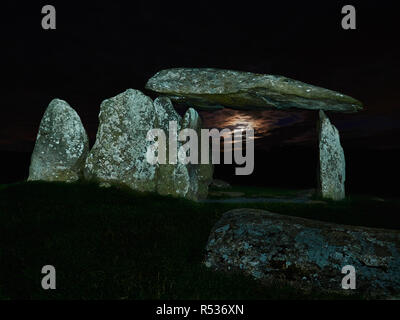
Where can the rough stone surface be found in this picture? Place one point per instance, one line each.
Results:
(213, 88)
(332, 165)
(119, 153)
(306, 253)
(172, 179)
(201, 174)
(61, 145)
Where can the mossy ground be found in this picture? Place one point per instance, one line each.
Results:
(109, 243)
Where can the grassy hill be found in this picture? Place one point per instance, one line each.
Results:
(109, 243)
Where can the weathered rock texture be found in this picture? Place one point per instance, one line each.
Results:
(119, 153)
(216, 87)
(61, 145)
(202, 172)
(183, 180)
(305, 253)
(172, 179)
(332, 164)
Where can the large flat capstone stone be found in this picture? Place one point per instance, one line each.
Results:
(207, 87)
(306, 253)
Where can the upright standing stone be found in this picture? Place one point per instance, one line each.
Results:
(61, 145)
(119, 153)
(172, 179)
(332, 167)
(203, 172)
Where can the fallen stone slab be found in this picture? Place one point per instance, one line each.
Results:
(213, 88)
(305, 253)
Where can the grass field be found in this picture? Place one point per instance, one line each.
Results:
(108, 243)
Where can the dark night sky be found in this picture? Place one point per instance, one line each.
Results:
(102, 48)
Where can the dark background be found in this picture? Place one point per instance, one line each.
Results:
(100, 49)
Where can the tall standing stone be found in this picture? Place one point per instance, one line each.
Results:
(61, 145)
(203, 172)
(119, 153)
(332, 167)
(216, 88)
(172, 179)
(183, 180)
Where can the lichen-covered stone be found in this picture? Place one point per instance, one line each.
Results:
(220, 184)
(201, 174)
(305, 253)
(119, 153)
(207, 87)
(332, 164)
(183, 180)
(61, 145)
(172, 179)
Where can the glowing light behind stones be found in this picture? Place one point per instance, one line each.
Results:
(264, 122)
